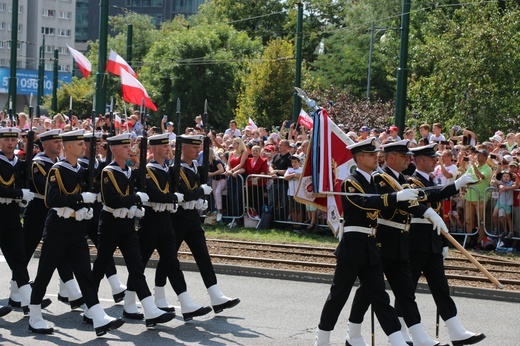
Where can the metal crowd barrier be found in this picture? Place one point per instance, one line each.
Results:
(457, 223)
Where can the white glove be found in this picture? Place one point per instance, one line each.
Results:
(159, 207)
(139, 212)
(120, 213)
(27, 195)
(464, 180)
(436, 220)
(88, 197)
(131, 212)
(98, 198)
(444, 252)
(67, 212)
(180, 197)
(143, 196)
(81, 214)
(90, 214)
(207, 189)
(172, 208)
(202, 204)
(407, 195)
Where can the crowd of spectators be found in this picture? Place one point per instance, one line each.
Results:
(237, 153)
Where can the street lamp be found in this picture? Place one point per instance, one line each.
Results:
(373, 32)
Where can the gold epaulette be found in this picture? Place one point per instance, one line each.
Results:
(55, 176)
(184, 177)
(151, 175)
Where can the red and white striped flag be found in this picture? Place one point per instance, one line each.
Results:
(305, 119)
(134, 91)
(327, 164)
(116, 63)
(84, 64)
(252, 124)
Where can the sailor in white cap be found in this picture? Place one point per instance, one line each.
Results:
(187, 225)
(65, 237)
(116, 229)
(357, 254)
(12, 194)
(36, 212)
(155, 228)
(118, 288)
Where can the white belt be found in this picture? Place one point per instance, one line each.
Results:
(359, 229)
(37, 195)
(404, 226)
(108, 209)
(420, 220)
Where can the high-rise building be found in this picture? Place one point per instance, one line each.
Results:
(49, 21)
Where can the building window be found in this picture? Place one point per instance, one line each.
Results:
(144, 3)
(3, 7)
(2, 44)
(3, 62)
(64, 68)
(49, 49)
(64, 32)
(49, 67)
(3, 25)
(48, 13)
(63, 50)
(47, 31)
(20, 27)
(65, 15)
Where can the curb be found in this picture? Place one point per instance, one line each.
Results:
(228, 269)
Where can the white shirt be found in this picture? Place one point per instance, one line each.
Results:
(293, 184)
(440, 179)
(439, 138)
(237, 133)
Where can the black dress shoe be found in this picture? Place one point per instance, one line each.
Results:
(227, 305)
(14, 303)
(188, 316)
(410, 343)
(63, 299)
(438, 344)
(45, 303)
(41, 330)
(87, 320)
(167, 309)
(76, 304)
(4, 310)
(470, 341)
(109, 326)
(119, 297)
(133, 315)
(166, 317)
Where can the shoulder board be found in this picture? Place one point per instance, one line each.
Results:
(352, 186)
(416, 182)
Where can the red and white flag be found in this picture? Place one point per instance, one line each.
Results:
(116, 63)
(117, 121)
(134, 91)
(305, 119)
(252, 124)
(328, 163)
(84, 64)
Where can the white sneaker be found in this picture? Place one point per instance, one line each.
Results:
(219, 217)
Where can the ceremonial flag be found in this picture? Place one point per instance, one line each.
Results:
(328, 163)
(117, 121)
(305, 120)
(252, 124)
(134, 91)
(84, 64)
(116, 63)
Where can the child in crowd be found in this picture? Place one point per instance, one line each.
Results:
(292, 175)
(504, 206)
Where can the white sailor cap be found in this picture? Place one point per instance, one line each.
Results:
(366, 146)
(76, 135)
(163, 138)
(98, 134)
(51, 134)
(426, 150)
(192, 139)
(9, 132)
(399, 146)
(123, 138)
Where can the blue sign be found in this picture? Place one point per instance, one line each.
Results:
(27, 81)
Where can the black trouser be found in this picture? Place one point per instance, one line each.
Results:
(12, 242)
(156, 232)
(371, 276)
(92, 232)
(432, 266)
(120, 233)
(192, 233)
(399, 277)
(64, 245)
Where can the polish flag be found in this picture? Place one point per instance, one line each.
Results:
(134, 91)
(84, 64)
(305, 120)
(117, 63)
(252, 124)
(117, 121)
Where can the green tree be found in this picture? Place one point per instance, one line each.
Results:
(202, 62)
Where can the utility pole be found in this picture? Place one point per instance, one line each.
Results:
(11, 98)
(101, 97)
(54, 106)
(402, 71)
(129, 37)
(373, 32)
(298, 74)
(41, 78)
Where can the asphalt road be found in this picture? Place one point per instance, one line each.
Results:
(272, 312)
